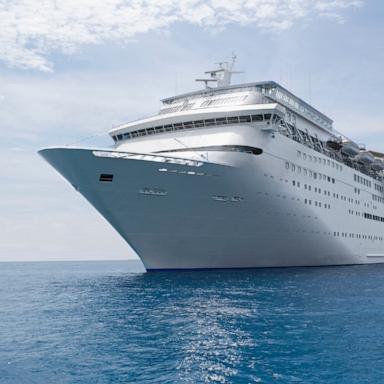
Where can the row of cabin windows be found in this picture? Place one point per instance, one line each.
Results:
(357, 236)
(379, 188)
(315, 175)
(317, 204)
(351, 212)
(374, 217)
(349, 199)
(378, 198)
(326, 193)
(308, 172)
(316, 189)
(318, 146)
(194, 124)
(319, 160)
(362, 180)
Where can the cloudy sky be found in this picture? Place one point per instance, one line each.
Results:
(72, 69)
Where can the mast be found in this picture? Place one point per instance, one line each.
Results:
(221, 76)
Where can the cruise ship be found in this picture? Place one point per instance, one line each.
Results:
(234, 176)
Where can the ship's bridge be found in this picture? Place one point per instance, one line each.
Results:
(249, 93)
(199, 118)
(225, 104)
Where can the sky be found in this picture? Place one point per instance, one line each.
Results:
(70, 70)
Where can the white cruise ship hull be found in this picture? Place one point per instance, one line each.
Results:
(235, 210)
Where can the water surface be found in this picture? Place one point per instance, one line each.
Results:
(108, 322)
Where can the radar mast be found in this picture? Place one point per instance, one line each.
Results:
(220, 77)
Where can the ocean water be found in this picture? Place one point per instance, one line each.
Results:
(108, 322)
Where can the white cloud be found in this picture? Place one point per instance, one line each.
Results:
(31, 30)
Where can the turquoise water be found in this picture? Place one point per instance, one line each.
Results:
(108, 322)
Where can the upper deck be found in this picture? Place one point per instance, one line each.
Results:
(225, 101)
(269, 91)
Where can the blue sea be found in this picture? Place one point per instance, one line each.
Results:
(109, 322)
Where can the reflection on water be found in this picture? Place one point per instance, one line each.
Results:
(110, 323)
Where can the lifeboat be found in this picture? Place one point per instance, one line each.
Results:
(350, 148)
(365, 157)
(378, 165)
(334, 144)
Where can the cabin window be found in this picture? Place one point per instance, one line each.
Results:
(209, 122)
(257, 117)
(245, 119)
(188, 124)
(106, 177)
(221, 121)
(233, 119)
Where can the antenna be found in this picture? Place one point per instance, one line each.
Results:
(310, 86)
(222, 75)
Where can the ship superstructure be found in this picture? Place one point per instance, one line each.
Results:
(235, 176)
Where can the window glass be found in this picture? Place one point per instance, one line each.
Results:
(233, 119)
(209, 122)
(245, 119)
(257, 117)
(221, 121)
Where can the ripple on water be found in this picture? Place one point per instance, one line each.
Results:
(107, 322)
